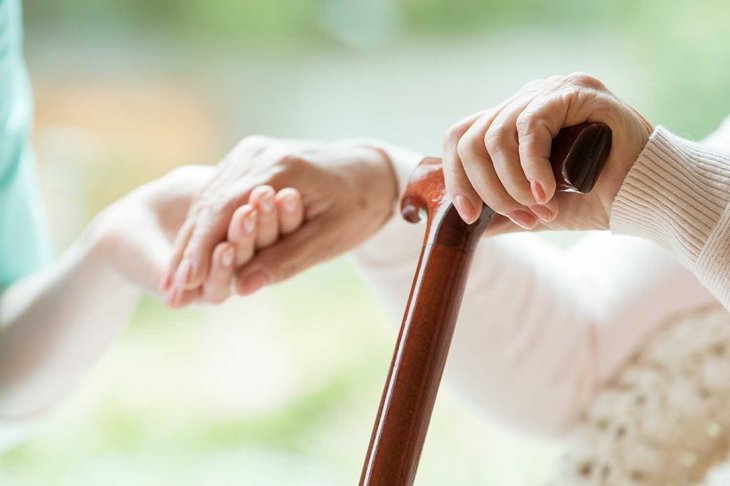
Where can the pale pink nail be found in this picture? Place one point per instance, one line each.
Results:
(249, 223)
(537, 192)
(227, 257)
(290, 205)
(542, 212)
(522, 218)
(267, 204)
(465, 208)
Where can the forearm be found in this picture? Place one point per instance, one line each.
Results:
(55, 324)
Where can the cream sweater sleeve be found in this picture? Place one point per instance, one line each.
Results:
(540, 328)
(677, 195)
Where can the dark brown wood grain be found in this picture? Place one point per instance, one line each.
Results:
(578, 155)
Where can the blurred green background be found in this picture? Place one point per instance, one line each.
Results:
(282, 388)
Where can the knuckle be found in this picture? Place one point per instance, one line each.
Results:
(291, 161)
(452, 135)
(584, 80)
(465, 149)
(495, 139)
(454, 180)
(526, 123)
(286, 167)
(278, 178)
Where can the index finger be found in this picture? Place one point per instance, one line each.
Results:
(465, 198)
(537, 125)
(178, 247)
(208, 226)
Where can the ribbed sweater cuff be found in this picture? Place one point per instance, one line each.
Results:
(676, 194)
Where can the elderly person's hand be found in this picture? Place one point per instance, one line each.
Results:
(500, 156)
(348, 191)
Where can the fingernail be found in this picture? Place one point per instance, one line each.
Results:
(522, 218)
(537, 192)
(290, 205)
(183, 274)
(465, 208)
(249, 223)
(267, 204)
(542, 212)
(227, 257)
(254, 282)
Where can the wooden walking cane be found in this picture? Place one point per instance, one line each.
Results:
(578, 154)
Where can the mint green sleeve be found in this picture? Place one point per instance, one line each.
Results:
(24, 241)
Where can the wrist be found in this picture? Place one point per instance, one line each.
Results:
(400, 161)
(674, 195)
(630, 153)
(384, 172)
(100, 247)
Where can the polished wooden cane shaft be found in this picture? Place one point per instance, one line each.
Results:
(420, 356)
(418, 362)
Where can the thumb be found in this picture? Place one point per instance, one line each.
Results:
(311, 244)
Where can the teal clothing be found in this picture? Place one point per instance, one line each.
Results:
(24, 241)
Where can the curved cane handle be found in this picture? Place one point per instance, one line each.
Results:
(578, 154)
(577, 157)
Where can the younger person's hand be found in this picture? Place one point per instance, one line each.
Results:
(500, 156)
(134, 236)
